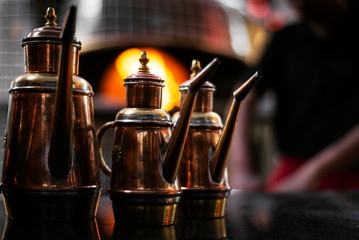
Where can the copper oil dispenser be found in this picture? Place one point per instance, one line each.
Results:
(147, 149)
(202, 174)
(50, 169)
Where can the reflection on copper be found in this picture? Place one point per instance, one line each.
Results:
(15, 229)
(174, 150)
(106, 221)
(187, 228)
(147, 150)
(56, 187)
(131, 232)
(202, 174)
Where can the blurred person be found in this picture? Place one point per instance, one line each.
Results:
(311, 66)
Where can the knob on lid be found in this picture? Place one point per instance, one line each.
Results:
(50, 33)
(144, 76)
(196, 68)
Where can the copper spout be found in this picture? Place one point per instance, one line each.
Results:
(60, 153)
(219, 159)
(173, 154)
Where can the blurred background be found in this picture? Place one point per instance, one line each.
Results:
(114, 32)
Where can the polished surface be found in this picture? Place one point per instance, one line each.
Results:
(220, 155)
(204, 133)
(50, 161)
(42, 46)
(202, 174)
(147, 149)
(35, 117)
(321, 215)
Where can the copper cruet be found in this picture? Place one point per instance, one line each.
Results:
(147, 149)
(202, 175)
(50, 170)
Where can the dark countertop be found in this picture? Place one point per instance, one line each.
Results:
(320, 215)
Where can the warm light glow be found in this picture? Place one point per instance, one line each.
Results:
(161, 64)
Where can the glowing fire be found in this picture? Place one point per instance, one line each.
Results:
(161, 64)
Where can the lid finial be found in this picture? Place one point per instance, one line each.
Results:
(144, 60)
(195, 67)
(50, 17)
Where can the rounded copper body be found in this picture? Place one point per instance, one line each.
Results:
(139, 193)
(137, 182)
(147, 150)
(202, 197)
(203, 173)
(29, 189)
(29, 130)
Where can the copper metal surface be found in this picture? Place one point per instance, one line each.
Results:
(147, 151)
(31, 115)
(60, 159)
(37, 62)
(206, 148)
(175, 147)
(29, 133)
(202, 197)
(42, 47)
(143, 89)
(220, 154)
(145, 209)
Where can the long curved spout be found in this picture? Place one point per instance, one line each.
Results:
(220, 155)
(176, 144)
(60, 153)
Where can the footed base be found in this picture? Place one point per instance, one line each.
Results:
(51, 205)
(144, 209)
(203, 203)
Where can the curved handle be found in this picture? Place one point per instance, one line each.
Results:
(100, 134)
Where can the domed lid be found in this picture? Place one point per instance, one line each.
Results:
(195, 68)
(144, 76)
(49, 33)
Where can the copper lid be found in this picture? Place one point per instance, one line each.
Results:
(196, 68)
(143, 89)
(144, 76)
(50, 33)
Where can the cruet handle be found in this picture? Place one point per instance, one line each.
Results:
(100, 134)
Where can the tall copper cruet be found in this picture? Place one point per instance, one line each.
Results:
(147, 149)
(51, 169)
(202, 174)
